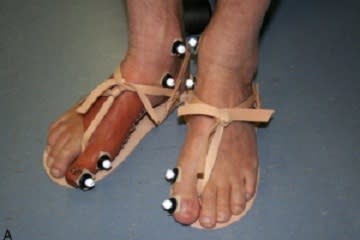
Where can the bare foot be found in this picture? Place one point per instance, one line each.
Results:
(152, 31)
(227, 64)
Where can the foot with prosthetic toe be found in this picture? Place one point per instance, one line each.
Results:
(144, 115)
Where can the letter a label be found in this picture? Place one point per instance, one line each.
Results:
(7, 235)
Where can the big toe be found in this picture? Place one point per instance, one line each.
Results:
(61, 155)
(185, 192)
(185, 186)
(188, 211)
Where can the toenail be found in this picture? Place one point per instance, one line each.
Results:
(221, 217)
(238, 209)
(55, 172)
(248, 196)
(49, 161)
(208, 221)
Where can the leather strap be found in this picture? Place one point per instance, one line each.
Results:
(248, 111)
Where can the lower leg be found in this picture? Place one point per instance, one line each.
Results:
(153, 26)
(230, 48)
(227, 63)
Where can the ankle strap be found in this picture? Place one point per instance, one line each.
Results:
(248, 111)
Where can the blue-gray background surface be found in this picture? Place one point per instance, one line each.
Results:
(53, 52)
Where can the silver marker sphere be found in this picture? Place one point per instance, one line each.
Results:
(170, 174)
(167, 204)
(181, 49)
(170, 82)
(89, 183)
(193, 42)
(189, 83)
(106, 164)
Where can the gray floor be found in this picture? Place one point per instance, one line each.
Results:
(54, 52)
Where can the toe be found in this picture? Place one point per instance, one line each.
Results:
(62, 154)
(185, 192)
(186, 186)
(208, 207)
(223, 204)
(55, 133)
(53, 152)
(250, 183)
(188, 210)
(237, 201)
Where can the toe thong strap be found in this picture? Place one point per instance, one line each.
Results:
(179, 80)
(248, 111)
(112, 88)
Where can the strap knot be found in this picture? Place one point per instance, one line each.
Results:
(224, 118)
(112, 88)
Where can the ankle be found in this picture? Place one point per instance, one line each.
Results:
(225, 84)
(148, 59)
(223, 93)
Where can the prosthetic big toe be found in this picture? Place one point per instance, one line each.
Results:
(83, 173)
(248, 111)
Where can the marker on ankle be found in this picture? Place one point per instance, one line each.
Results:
(168, 81)
(178, 48)
(190, 83)
(193, 42)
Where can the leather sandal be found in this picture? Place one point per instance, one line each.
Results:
(84, 174)
(247, 111)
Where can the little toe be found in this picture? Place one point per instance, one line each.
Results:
(207, 217)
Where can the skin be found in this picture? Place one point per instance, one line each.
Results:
(227, 63)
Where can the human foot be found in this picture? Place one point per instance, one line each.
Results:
(227, 64)
(148, 59)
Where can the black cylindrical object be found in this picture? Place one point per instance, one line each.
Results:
(197, 15)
